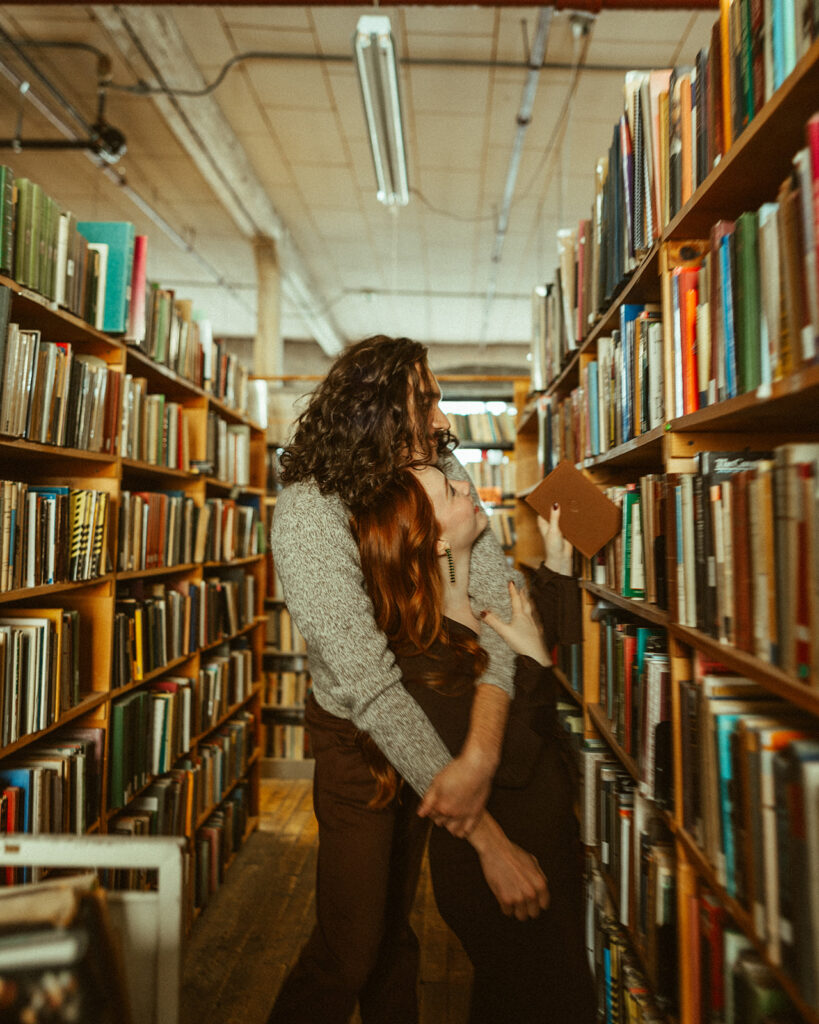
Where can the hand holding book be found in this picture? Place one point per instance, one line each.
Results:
(557, 550)
(587, 518)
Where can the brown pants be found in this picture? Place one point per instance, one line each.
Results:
(362, 948)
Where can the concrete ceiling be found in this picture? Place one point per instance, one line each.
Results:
(280, 147)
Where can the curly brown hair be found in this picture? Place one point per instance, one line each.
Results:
(366, 421)
(396, 538)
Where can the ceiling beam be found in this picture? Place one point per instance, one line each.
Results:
(154, 47)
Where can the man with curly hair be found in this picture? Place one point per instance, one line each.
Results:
(375, 413)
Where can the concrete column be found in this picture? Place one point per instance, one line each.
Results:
(268, 346)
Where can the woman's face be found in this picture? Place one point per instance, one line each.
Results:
(436, 420)
(460, 520)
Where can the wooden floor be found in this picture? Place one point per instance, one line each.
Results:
(255, 925)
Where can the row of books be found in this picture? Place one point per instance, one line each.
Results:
(137, 743)
(164, 528)
(282, 633)
(39, 668)
(288, 740)
(635, 696)
(52, 786)
(634, 562)
(53, 395)
(750, 519)
(747, 313)
(152, 428)
(732, 983)
(493, 480)
(672, 132)
(750, 798)
(51, 534)
(156, 623)
(285, 688)
(227, 450)
(483, 427)
(98, 271)
(624, 993)
(217, 840)
(635, 856)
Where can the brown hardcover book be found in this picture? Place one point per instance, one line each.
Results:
(587, 518)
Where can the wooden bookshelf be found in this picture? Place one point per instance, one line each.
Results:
(36, 463)
(784, 411)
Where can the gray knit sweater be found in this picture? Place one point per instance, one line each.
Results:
(354, 672)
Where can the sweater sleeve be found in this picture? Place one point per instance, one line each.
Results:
(354, 671)
(489, 576)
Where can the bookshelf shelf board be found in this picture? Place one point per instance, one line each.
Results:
(567, 686)
(649, 612)
(568, 376)
(759, 160)
(745, 664)
(287, 768)
(293, 712)
(88, 703)
(598, 717)
(254, 690)
(173, 384)
(274, 602)
(48, 451)
(227, 486)
(47, 589)
(161, 570)
(527, 420)
(642, 450)
(44, 315)
(153, 469)
(793, 399)
(743, 920)
(233, 414)
(269, 499)
(231, 636)
(276, 652)
(642, 286)
(501, 446)
(155, 673)
(244, 560)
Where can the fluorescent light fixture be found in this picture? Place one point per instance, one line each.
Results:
(378, 76)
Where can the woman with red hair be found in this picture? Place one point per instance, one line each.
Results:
(415, 544)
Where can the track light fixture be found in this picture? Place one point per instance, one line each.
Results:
(378, 77)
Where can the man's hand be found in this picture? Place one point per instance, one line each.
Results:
(458, 793)
(513, 875)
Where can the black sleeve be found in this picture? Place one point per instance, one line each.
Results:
(557, 599)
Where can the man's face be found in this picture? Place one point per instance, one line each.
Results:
(436, 419)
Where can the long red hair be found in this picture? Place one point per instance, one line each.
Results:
(397, 540)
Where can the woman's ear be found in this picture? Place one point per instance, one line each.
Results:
(441, 546)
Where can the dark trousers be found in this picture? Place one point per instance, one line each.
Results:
(362, 948)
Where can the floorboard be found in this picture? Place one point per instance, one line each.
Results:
(251, 932)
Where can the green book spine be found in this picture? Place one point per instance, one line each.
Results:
(116, 755)
(748, 310)
(22, 232)
(6, 219)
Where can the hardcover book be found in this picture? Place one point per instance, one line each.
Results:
(588, 519)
